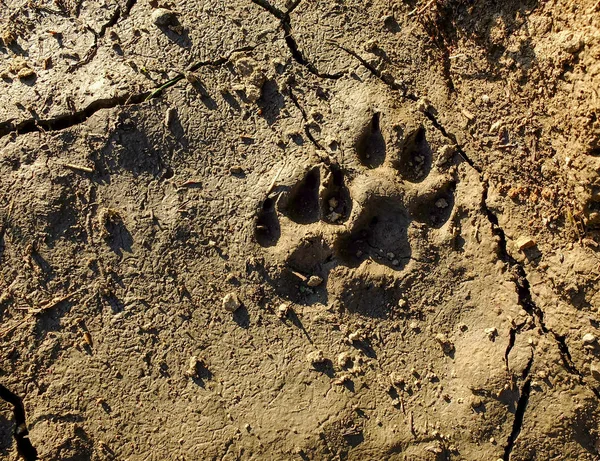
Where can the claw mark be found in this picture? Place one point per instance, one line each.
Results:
(370, 146)
(21, 434)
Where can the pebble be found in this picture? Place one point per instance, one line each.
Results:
(316, 357)
(445, 153)
(314, 281)
(402, 302)
(343, 359)
(485, 99)
(589, 338)
(26, 73)
(163, 17)
(414, 326)
(525, 242)
(231, 302)
(445, 343)
(192, 369)
(282, 310)
(441, 203)
(491, 332)
(495, 126)
(423, 105)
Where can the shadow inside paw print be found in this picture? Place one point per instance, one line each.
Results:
(337, 218)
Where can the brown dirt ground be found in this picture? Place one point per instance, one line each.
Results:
(304, 229)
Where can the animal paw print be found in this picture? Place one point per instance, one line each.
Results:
(367, 216)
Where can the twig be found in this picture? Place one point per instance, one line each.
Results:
(79, 168)
(420, 10)
(43, 308)
(276, 178)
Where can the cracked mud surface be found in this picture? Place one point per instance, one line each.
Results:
(402, 198)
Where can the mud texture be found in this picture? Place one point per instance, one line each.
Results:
(313, 230)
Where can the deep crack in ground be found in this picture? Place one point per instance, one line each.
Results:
(20, 433)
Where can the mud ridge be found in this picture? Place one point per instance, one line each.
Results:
(21, 433)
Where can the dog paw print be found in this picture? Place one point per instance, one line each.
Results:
(368, 216)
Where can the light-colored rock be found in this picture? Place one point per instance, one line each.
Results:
(589, 338)
(231, 302)
(314, 281)
(163, 17)
(316, 357)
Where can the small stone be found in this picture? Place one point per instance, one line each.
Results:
(446, 344)
(26, 73)
(485, 99)
(343, 359)
(402, 303)
(414, 326)
(192, 369)
(231, 302)
(390, 256)
(333, 202)
(524, 243)
(314, 281)
(395, 262)
(396, 379)
(371, 45)
(476, 402)
(236, 169)
(445, 153)
(316, 357)
(356, 336)
(441, 203)
(163, 17)
(491, 332)
(495, 126)
(469, 116)
(589, 338)
(282, 310)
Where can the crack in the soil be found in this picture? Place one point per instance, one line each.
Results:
(62, 122)
(21, 433)
(285, 23)
(526, 301)
(524, 394)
